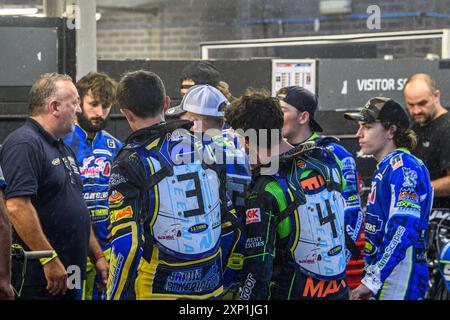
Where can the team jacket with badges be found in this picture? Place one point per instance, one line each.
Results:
(396, 228)
(353, 210)
(238, 180)
(166, 208)
(95, 158)
(295, 242)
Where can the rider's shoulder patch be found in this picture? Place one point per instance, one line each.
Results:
(396, 162)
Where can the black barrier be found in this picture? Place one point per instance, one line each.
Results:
(30, 47)
(239, 74)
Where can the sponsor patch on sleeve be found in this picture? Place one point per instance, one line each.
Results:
(409, 178)
(115, 200)
(252, 216)
(373, 223)
(117, 215)
(111, 143)
(408, 199)
(396, 162)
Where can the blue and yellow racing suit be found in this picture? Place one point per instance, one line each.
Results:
(396, 228)
(166, 205)
(238, 180)
(94, 158)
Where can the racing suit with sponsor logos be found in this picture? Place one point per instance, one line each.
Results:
(295, 242)
(396, 227)
(166, 206)
(95, 158)
(353, 211)
(238, 180)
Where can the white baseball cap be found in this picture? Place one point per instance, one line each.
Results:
(204, 100)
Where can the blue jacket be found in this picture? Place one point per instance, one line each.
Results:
(166, 207)
(353, 212)
(95, 157)
(396, 228)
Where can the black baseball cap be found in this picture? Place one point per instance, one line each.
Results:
(201, 72)
(303, 100)
(381, 109)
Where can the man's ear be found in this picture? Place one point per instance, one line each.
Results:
(392, 130)
(303, 117)
(128, 114)
(437, 95)
(166, 104)
(53, 107)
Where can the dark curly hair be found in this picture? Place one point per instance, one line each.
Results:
(257, 110)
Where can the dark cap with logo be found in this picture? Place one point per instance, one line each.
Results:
(175, 112)
(381, 109)
(303, 100)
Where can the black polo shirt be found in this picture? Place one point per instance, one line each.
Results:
(433, 148)
(40, 167)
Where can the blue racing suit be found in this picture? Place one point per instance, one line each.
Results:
(94, 158)
(166, 209)
(396, 228)
(238, 180)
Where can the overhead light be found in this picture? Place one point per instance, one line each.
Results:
(98, 16)
(18, 11)
(328, 7)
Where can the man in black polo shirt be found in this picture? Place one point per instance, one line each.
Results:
(432, 126)
(43, 194)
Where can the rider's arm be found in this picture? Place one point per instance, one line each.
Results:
(353, 216)
(98, 258)
(124, 210)
(259, 251)
(94, 245)
(404, 199)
